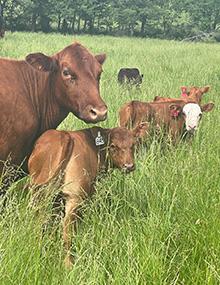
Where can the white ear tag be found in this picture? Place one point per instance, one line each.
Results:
(99, 139)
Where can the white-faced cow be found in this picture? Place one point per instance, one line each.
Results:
(175, 117)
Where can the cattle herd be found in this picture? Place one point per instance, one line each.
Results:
(36, 95)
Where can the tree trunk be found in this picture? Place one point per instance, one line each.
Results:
(59, 22)
(216, 19)
(73, 22)
(33, 22)
(98, 23)
(91, 25)
(143, 23)
(45, 23)
(78, 24)
(84, 26)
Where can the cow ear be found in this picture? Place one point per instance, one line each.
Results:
(207, 107)
(101, 57)
(157, 98)
(141, 130)
(205, 89)
(184, 89)
(175, 110)
(41, 62)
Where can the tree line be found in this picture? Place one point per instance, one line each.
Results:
(171, 19)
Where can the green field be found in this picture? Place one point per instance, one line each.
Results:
(158, 225)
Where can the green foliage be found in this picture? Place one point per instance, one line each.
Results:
(158, 225)
(172, 19)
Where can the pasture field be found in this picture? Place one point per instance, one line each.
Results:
(158, 225)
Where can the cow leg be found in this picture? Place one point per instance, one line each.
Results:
(69, 227)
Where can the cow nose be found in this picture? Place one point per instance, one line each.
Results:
(128, 167)
(192, 129)
(99, 113)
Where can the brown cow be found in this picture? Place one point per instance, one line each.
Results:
(176, 117)
(80, 155)
(37, 94)
(194, 94)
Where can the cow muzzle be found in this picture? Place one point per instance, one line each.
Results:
(95, 114)
(128, 167)
(191, 130)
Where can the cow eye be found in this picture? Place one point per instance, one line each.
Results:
(200, 116)
(66, 72)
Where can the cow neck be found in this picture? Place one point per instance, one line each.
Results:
(102, 150)
(51, 113)
(54, 113)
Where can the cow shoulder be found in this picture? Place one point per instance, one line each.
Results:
(50, 155)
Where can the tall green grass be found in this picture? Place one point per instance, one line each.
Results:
(158, 225)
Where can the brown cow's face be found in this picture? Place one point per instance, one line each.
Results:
(122, 144)
(196, 93)
(77, 80)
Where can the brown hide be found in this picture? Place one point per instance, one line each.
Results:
(159, 114)
(37, 94)
(194, 94)
(54, 151)
(80, 155)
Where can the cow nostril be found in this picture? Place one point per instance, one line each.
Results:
(93, 113)
(129, 167)
(98, 113)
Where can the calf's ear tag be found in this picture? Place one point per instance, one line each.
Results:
(99, 139)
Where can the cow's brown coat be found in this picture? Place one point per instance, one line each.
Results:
(167, 115)
(194, 94)
(33, 100)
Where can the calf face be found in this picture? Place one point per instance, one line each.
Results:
(192, 114)
(196, 93)
(121, 147)
(192, 94)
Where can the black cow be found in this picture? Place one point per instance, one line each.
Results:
(131, 76)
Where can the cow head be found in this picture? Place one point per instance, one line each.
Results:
(121, 146)
(191, 112)
(77, 74)
(196, 93)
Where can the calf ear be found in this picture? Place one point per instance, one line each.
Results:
(205, 89)
(101, 57)
(141, 130)
(207, 107)
(41, 62)
(183, 89)
(175, 110)
(157, 98)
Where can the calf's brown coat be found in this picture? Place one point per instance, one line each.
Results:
(167, 115)
(78, 156)
(194, 94)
